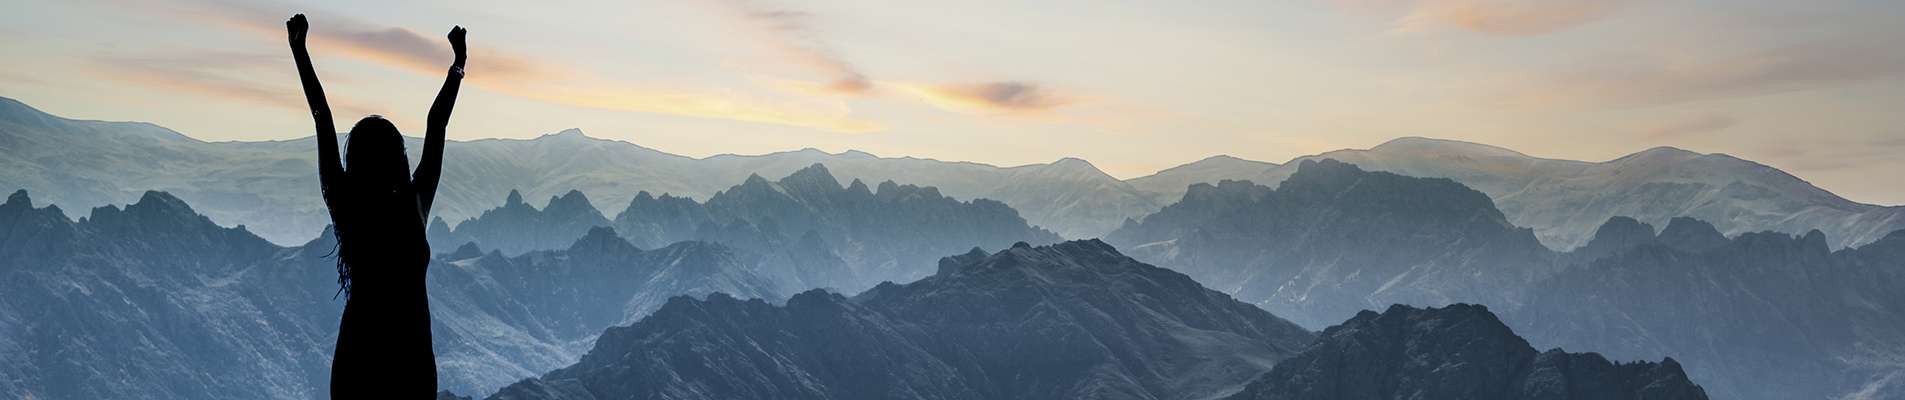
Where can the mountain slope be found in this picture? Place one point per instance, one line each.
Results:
(1758, 316)
(1335, 239)
(155, 301)
(1072, 320)
(1457, 352)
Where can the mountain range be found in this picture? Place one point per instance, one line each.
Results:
(1565, 200)
(270, 188)
(1761, 315)
(1073, 320)
(155, 301)
(803, 231)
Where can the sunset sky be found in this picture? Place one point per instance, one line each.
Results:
(1812, 87)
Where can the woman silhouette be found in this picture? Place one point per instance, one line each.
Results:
(378, 209)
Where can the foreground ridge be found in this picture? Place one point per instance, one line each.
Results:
(1457, 352)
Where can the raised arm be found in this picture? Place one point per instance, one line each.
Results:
(430, 169)
(330, 169)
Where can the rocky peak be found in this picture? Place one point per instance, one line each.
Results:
(859, 188)
(19, 197)
(154, 210)
(567, 134)
(814, 176)
(1691, 235)
(601, 239)
(951, 264)
(1618, 234)
(515, 199)
(466, 251)
(811, 183)
(1225, 191)
(569, 203)
(1324, 172)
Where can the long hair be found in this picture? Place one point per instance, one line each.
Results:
(375, 170)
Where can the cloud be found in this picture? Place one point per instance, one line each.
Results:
(392, 46)
(1629, 81)
(788, 34)
(1493, 17)
(1687, 127)
(209, 75)
(495, 70)
(990, 97)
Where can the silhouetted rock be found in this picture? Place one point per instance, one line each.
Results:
(1072, 320)
(1457, 352)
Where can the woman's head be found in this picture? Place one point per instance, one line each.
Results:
(374, 155)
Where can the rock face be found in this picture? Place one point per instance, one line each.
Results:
(1457, 352)
(807, 231)
(1335, 239)
(155, 301)
(1072, 320)
(517, 227)
(1759, 316)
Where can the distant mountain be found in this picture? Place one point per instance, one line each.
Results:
(1457, 352)
(156, 301)
(1169, 185)
(811, 232)
(1072, 320)
(516, 227)
(1335, 239)
(271, 187)
(1758, 316)
(1564, 200)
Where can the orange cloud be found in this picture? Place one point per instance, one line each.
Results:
(990, 97)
